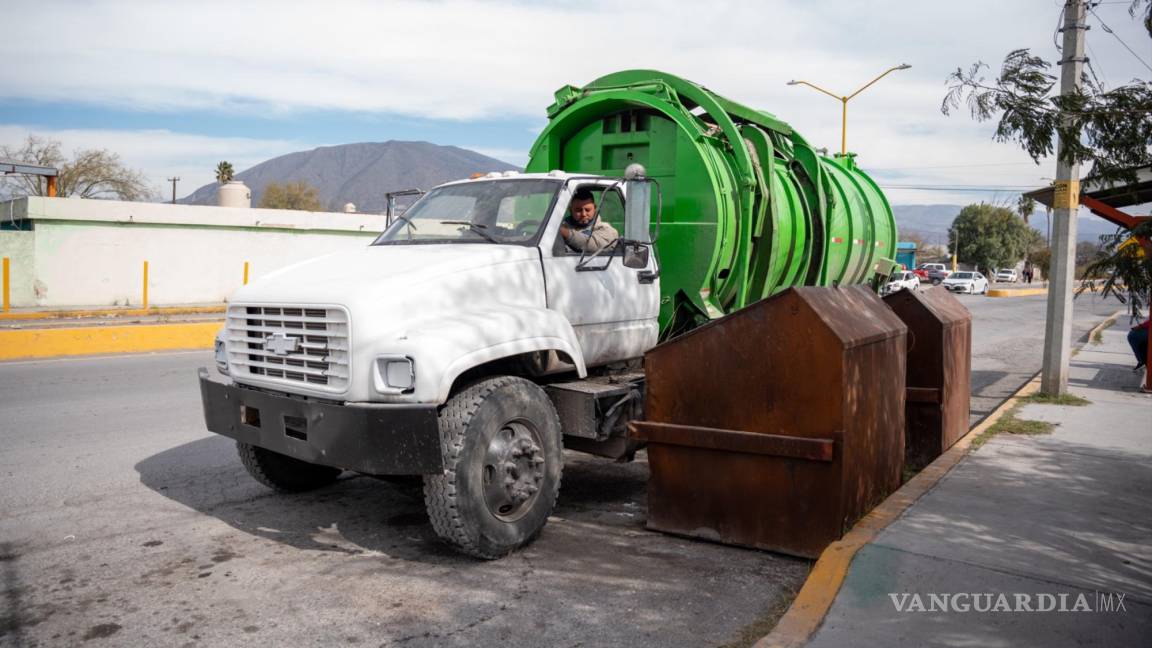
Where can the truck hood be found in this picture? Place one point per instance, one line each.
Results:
(378, 271)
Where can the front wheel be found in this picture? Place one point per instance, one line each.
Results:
(502, 465)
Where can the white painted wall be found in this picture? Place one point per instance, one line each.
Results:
(87, 253)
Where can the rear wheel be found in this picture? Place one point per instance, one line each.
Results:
(502, 464)
(282, 472)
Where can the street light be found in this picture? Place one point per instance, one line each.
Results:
(844, 101)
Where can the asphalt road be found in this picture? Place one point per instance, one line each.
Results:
(123, 522)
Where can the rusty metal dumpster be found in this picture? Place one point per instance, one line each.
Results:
(777, 426)
(939, 371)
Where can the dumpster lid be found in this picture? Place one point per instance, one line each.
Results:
(938, 301)
(855, 314)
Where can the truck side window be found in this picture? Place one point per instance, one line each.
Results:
(612, 210)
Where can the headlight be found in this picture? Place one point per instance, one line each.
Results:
(221, 353)
(394, 374)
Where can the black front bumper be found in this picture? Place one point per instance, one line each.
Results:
(380, 440)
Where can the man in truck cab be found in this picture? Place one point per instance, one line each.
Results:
(581, 230)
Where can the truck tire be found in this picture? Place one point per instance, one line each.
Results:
(502, 464)
(283, 473)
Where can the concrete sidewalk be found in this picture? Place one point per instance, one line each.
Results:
(1035, 518)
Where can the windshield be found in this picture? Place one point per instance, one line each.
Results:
(488, 211)
(962, 275)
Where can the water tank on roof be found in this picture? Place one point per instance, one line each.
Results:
(234, 193)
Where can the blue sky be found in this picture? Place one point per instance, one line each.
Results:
(507, 136)
(175, 87)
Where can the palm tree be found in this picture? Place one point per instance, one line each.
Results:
(224, 172)
(1025, 206)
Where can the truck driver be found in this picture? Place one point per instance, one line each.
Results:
(579, 231)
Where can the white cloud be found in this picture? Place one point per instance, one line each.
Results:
(162, 154)
(464, 59)
(469, 59)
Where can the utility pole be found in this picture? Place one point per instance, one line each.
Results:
(1058, 323)
(173, 181)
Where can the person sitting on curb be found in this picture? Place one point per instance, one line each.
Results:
(1138, 340)
(581, 230)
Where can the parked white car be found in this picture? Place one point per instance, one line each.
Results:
(906, 280)
(967, 282)
(1007, 275)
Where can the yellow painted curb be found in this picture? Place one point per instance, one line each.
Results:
(819, 591)
(111, 312)
(90, 340)
(1016, 292)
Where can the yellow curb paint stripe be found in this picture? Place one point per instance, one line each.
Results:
(112, 312)
(1021, 292)
(819, 591)
(89, 340)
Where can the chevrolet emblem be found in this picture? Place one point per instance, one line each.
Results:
(281, 344)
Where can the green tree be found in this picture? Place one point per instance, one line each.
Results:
(1034, 242)
(1109, 129)
(224, 172)
(291, 195)
(1042, 259)
(989, 237)
(90, 173)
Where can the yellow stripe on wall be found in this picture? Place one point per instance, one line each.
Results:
(91, 340)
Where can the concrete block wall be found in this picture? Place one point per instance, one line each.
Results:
(91, 253)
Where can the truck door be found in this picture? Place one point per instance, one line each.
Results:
(612, 308)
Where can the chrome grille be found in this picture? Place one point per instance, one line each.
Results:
(309, 344)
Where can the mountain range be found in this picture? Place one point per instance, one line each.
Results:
(360, 173)
(931, 222)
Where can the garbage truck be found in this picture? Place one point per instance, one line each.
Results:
(469, 345)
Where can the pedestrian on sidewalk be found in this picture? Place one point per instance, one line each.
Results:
(1138, 340)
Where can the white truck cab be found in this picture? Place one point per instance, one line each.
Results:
(461, 345)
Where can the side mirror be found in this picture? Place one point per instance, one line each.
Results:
(638, 208)
(635, 256)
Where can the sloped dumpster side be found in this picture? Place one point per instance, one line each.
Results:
(780, 425)
(939, 371)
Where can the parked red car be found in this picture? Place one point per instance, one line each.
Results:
(934, 272)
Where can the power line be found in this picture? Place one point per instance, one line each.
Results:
(1092, 68)
(1117, 37)
(952, 166)
(959, 188)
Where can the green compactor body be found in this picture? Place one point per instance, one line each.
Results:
(748, 207)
